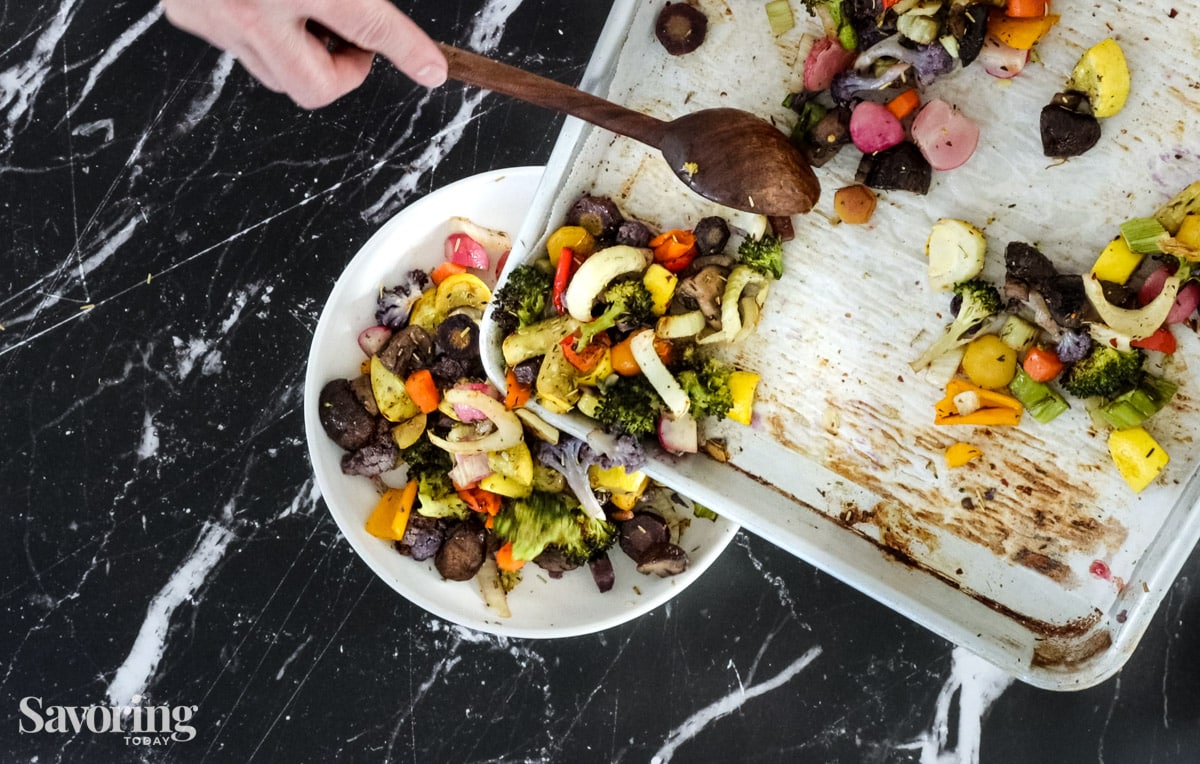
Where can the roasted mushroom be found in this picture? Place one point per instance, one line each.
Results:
(900, 168)
(645, 531)
(680, 28)
(409, 349)
(712, 234)
(462, 552)
(662, 560)
(704, 290)
(343, 417)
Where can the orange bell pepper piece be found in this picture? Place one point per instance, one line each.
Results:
(1019, 33)
(995, 409)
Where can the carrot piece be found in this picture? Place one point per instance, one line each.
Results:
(889, 3)
(423, 389)
(674, 250)
(517, 394)
(505, 559)
(1042, 364)
(905, 103)
(1025, 9)
(445, 271)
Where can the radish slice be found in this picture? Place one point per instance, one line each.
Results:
(1154, 284)
(826, 59)
(372, 339)
(1186, 303)
(496, 243)
(469, 469)
(873, 128)
(678, 434)
(465, 251)
(1000, 60)
(946, 137)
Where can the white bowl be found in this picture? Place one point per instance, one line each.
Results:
(541, 607)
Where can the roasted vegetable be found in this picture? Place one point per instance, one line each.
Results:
(763, 254)
(979, 301)
(524, 294)
(1106, 372)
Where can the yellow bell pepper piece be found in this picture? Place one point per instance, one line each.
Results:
(389, 519)
(1117, 262)
(1189, 231)
(1137, 455)
(660, 283)
(626, 487)
(961, 453)
(742, 387)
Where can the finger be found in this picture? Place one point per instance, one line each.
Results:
(312, 75)
(378, 25)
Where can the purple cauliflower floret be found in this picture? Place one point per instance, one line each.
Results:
(571, 457)
(395, 303)
(1073, 346)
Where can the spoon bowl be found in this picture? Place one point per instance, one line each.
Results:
(727, 155)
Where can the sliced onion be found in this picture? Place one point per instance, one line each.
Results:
(372, 339)
(657, 374)
(678, 434)
(873, 128)
(496, 243)
(1137, 323)
(465, 251)
(507, 434)
(946, 137)
(1000, 60)
(465, 413)
(469, 469)
(490, 587)
(681, 325)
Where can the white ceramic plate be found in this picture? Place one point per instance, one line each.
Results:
(541, 607)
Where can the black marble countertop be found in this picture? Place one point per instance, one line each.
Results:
(171, 231)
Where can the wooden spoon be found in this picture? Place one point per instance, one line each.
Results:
(727, 155)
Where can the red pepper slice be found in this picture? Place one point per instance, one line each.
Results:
(1162, 341)
(587, 359)
(562, 277)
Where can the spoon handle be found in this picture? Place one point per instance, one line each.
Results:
(489, 74)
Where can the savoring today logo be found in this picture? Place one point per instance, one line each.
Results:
(137, 724)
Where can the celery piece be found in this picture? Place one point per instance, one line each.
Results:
(1018, 333)
(779, 16)
(1134, 407)
(1142, 235)
(1042, 402)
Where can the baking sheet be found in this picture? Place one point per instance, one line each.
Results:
(842, 465)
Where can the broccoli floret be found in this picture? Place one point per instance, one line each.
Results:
(572, 457)
(706, 382)
(436, 497)
(524, 294)
(764, 254)
(430, 466)
(543, 519)
(629, 304)
(1106, 372)
(630, 405)
(424, 458)
(980, 301)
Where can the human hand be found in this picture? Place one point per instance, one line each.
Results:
(271, 39)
